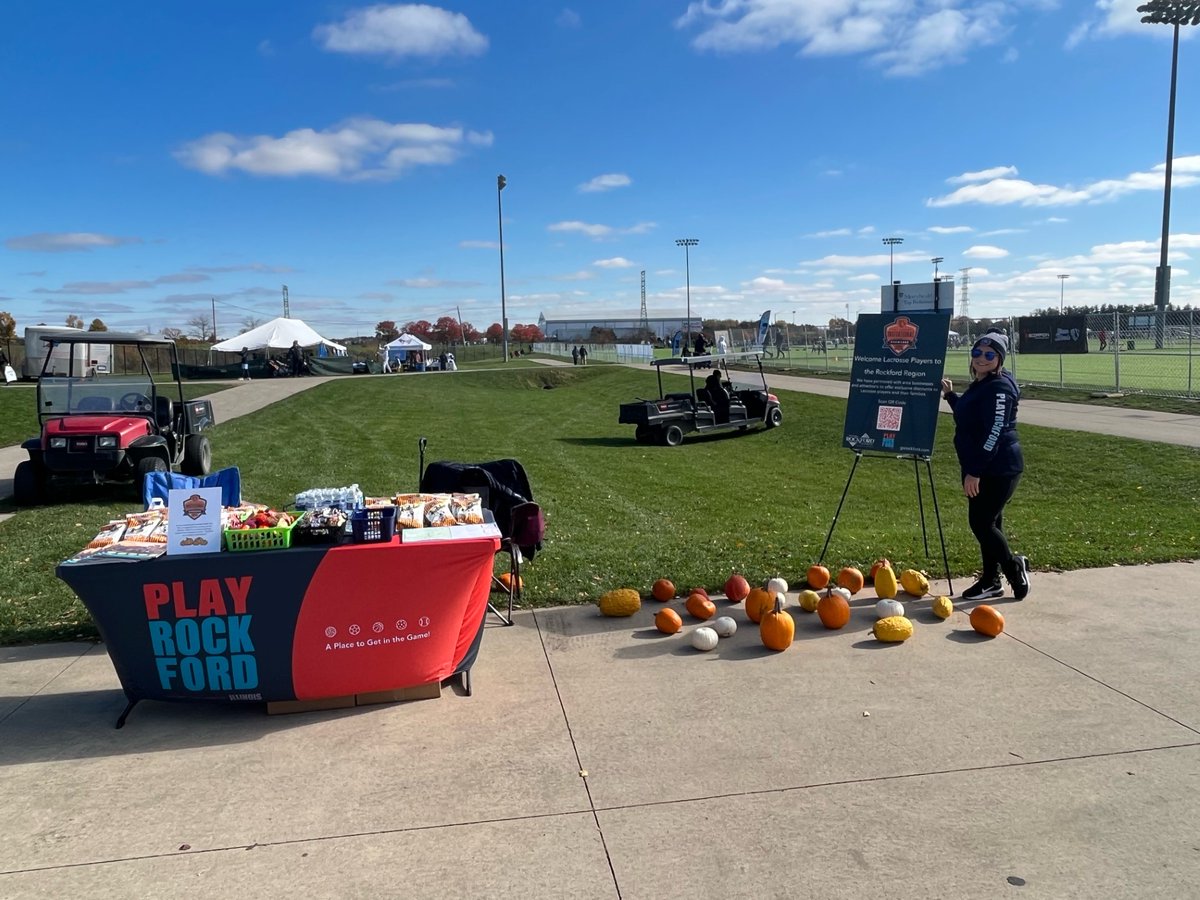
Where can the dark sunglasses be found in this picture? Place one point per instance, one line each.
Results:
(989, 355)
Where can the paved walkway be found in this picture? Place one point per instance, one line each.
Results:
(598, 758)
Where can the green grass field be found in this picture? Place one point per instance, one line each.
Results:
(623, 514)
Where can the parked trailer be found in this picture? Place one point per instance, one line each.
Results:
(96, 359)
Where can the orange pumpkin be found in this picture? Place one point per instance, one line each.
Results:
(759, 602)
(833, 610)
(663, 590)
(851, 579)
(701, 607)
(505, 578)
(667, 621)
(700, 591)
(987, 620)
(777, 628)
(817, 577)
(884, 563)
(737, 588)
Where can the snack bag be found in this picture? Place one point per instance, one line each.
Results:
(410, 514)
(145, 530)
(467, 509)
(437, 512)
(109, 534)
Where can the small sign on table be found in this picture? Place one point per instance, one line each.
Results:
(194, 523)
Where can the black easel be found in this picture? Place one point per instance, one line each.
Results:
(858, 455)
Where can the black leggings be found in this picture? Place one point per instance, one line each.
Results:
(985, 513)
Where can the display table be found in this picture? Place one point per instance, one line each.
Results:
(298, 624)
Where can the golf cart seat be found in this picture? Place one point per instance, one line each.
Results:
(94, 404)
(164, 412)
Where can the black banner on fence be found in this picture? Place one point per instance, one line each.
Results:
(895, 383)
(1052, 334)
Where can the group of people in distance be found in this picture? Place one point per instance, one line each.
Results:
(579, 355)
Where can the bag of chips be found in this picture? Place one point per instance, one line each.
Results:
(109, 534)
(467, 509)
(437, 512)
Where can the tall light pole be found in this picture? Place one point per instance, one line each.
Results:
(500, 183)
(891, 243)
(1176, 13)
(686, 244)
(936, 260)
(1062, 284)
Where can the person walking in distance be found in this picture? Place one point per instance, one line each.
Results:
(583, 356)
(574, 356)
(989, 455)
(295, 358)
(245, 364)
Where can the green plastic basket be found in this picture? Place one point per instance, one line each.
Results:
(277, 538)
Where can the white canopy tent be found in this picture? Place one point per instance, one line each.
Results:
(278, 334)
(408, 342)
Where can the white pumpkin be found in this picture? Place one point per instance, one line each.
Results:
(885, 608)
(704, 638)
(724, 626)
(777, 585)
(841, 592)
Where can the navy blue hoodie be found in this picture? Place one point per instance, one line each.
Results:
(985, 426)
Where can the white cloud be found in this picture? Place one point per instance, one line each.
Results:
(599, 231)
(479, 245)
(355, 150)
(997, 232)
(616, 262)
(605, 183)
(869, 260)
(581, 275)
(402, 30)
(905, 38)
(66, 242)
(568, 18)
(950, 229)
(431, 283)
(1111, 18)
(870, 278)
(865, 230)
(985, 251)
(836, 232)
(983, 175)
(1006, 191)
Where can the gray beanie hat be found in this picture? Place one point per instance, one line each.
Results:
(995, 340)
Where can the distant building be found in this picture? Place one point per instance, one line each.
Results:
(626, 327)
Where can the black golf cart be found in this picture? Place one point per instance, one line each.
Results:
(99, 427)
(714, 403)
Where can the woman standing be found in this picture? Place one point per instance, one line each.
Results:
(989, 454)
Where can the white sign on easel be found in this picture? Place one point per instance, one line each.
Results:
(934, 296)
(194, 520)
(10, 374)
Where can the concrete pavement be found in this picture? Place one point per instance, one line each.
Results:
(599, 758)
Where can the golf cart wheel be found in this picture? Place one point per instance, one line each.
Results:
(673, 436)
(29, 487)
(775, 418)
(197, 455)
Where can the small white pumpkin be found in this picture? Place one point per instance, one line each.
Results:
(724, 626)
(704, 638)
(841, 592)
(886, 608)
(777, 585)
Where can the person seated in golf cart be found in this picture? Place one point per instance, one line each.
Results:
(718, 396)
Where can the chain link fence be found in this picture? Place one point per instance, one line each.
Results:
(1126, 354)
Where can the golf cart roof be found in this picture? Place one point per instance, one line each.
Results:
(709, 358)
(106, 337)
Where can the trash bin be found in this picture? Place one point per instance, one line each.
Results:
(1129, 345)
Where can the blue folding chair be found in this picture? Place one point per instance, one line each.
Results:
(157, 485)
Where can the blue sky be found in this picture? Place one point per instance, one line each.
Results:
(156, 156)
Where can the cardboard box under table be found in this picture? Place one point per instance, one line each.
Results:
(360, 622)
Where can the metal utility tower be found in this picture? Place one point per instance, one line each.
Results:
(965, 281)
(287, 313)
(644, 324)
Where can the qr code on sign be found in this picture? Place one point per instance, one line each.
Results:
(888, 418)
